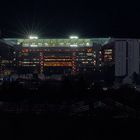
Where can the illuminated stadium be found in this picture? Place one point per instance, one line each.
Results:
(58, 56)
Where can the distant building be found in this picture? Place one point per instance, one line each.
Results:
(127, 57)
(124, 55)
(7, 58)
(108, 54)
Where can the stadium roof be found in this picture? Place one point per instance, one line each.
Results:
(79, 42)
(6, 42)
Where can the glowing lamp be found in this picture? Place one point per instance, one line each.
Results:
(74, 37)
(33, 37)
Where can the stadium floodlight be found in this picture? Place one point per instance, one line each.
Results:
(74, 45)
(33, 45)
(88, 44)
(74, 37)
(33, 37)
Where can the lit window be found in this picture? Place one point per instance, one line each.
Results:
(46, 44)
(94, 55)
(89, 59)
(39, 44)
(89, 54)
(34, 45)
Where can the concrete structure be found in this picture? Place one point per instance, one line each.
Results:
(120, 58)
(127, 56)
(133, 56)
(75, 55)
(55, 56)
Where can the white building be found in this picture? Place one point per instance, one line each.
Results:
(120, 58)
(127, 55)
(133, 56)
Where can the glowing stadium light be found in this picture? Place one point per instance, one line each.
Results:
(88, 44)
(33, 45)
(74, 37)
(33, 37)
(74, 45)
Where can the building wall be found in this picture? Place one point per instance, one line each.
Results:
(133, 56)
(47, 59)
(125, 57)
(127, 54)
(108, 54)
(120, 58)
(6, 59)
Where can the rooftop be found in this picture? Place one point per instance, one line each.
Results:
(72, 42)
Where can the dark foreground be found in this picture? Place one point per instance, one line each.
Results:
(41, 127)
(68, 109)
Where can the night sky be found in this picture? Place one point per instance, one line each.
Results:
(56, 18)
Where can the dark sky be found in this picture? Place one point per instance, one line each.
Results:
(56, 18)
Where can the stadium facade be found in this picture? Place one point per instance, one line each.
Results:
(58, 56)
(75, 55)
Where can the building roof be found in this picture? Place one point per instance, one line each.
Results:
(80, 42)
(6, 43)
